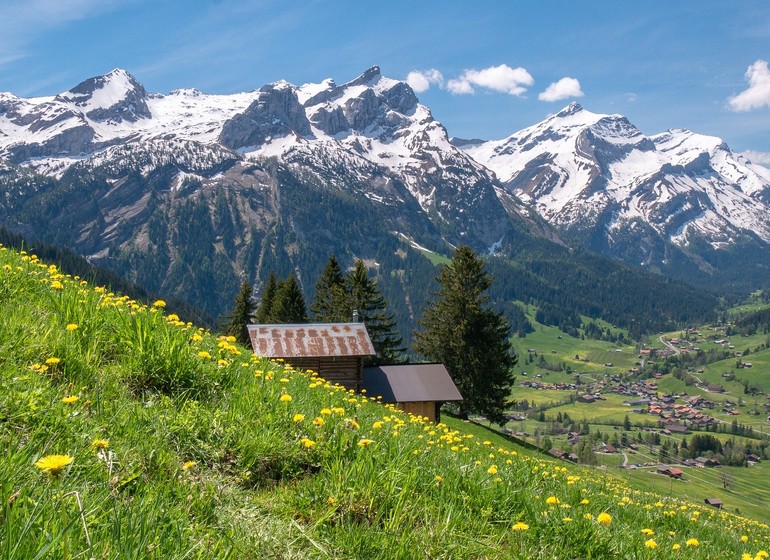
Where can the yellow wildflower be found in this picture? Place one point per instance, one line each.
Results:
(285, 398)
(99, 443)
(492, 469)
(552, 500)
(205, 355)
(159, 303)
(648, 532)
(52, 361)
(365, 442)
(307, 443)
(72, 327)
(188, 465)
(744, 538)
(676, 546)
(650, 544)
(71, 399)
(692, 542)
(53, 464)
(520, 526)
(604, 518)
(298, 417)
(319, 422)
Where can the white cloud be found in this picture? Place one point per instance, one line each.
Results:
(761, 158)
(421, 81)
(503, 78)
(758, 92)
(565, 88)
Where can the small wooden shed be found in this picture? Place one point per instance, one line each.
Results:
(419, 389)
(335, 350)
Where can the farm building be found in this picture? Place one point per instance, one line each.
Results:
(337, 351)
(420, 389)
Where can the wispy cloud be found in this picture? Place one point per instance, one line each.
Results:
(22, 21)
(762, 158)
(757, 94)
(421, 81)
(565, 88)
(503, 79)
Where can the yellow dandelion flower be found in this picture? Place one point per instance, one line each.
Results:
(53, 464)
(438, 478)
(52, 361)
(298, 417)
(648, 532)
(205, 355)
(650, 544)
(676, 546)
(761, 555)
(319, 422)
(100, 443)
(567, 519)
(307, 443)
(331, 500)
(584, 501)
(188, 465)
(552, 500)
(326, 411)
(692, 542)
(56, 285)
(377, 425)
(365, 442)
(71, 327)
(159, 303)
(520, 526)
(492, 469)
(744, 538)
(71, 399)
(604, 518)
(285, 398)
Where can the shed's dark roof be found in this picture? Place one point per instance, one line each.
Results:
(316, 340)
(410, 383)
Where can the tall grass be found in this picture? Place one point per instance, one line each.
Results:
(181, 444)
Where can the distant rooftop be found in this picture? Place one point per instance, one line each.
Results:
(311, 340)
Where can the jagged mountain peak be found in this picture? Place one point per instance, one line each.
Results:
(115, 96)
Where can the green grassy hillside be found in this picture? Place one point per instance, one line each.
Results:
(126, 433)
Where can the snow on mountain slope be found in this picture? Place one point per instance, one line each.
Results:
(586, 171)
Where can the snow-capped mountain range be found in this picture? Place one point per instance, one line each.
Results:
(581, 169)
(676, 201)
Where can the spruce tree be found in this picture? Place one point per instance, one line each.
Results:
(460, 330)
(329, 303)
(242, 314)
(365, 297)
(289, 305)
(267, 300)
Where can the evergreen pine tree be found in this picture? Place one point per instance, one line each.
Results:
(242, 314)
(289, 305)
(460, 330)
(267, 300)
(329, 302)
(364, 296)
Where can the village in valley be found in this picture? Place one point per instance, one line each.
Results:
(683, 412)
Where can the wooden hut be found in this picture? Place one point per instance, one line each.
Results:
(419, 389)
(335, 350)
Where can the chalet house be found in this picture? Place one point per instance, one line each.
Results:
(419, 389)
(670, 471)
(677, 429)
(715, 502)
(753, 458)
(707, 462)
(336, 351)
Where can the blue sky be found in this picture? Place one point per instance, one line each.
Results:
(485, 68)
